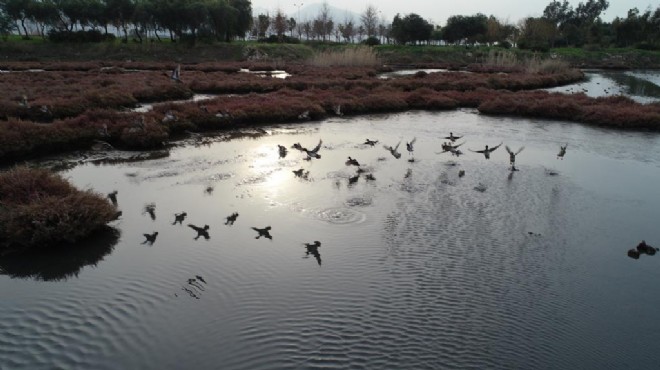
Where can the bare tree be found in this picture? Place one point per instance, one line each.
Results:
(370, 20)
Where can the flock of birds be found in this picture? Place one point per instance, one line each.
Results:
(203, 231)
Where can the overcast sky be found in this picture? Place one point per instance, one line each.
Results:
(438, 11)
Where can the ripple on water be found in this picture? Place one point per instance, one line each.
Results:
(340, 216)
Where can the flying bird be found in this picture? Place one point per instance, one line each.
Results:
(314, 153)
(512, 155)
(486, 152)
(313, 249)
(393, 150)
(562, 151)
(201, 231)
(150, 238)
(452, 138)
(265, 232)
(179, 217)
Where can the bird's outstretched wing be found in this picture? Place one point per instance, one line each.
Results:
(508, 149)
(520, 150)
(397, 145)
(495, 147)
(477, 151)
(317, 147)
(457, 145)
(413, 141)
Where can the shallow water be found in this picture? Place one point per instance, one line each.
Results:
(643, 86)
(417, 269)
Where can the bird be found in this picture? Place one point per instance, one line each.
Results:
(150, 238)
(449, 147)
(353, 179)
(337, 109)
(452, 138)
(314, 153)
(369, 177)
(352, 162)
(512, 156)
(298, 147)
(265, 232)
(461, 173)
(169, 117)
(486, 152)
(113, 197)
(231, 218)
(409, 146)
(633, 253)
(151, 210)
(313, 249)
(179, 217)
(304, 115)
(370, 142)
(200, 279)
(301, 173)
(201, 231)
(176, 74)
(282, 150)
(24, 102)
(562, 151)
(642, 247)
(393, 150)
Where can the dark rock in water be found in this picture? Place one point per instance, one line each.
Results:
(632, 253)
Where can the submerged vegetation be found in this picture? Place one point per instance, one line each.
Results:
(39, 209)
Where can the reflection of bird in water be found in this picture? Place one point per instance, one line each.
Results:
(408, 174)
(282, 150)
(179, 218)
(409, 146)
(151, 210)
(562, 151)
(486, 152)
(370, 142)
(113, 197)
(314, 153)
(201, 231)
(352, 162)
(231, 218)
(393, 150)
(512, 156)
(452, 138)
(265, 232)
(150, 238)
(313, 249)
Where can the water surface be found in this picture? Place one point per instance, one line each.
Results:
(418, 268)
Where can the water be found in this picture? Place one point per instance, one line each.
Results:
(642, 86)
(417, 268)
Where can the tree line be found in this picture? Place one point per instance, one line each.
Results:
(561, 25)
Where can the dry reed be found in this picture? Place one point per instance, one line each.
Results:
(360, 56)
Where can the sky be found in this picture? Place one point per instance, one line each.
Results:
(437, 12)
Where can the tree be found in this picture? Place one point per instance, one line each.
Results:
(323, 24)
(262, 24)
(536, 34)
(17, 11)
(5, 25)
(469, 29)
(291, 25)
(370, 20)
(411, 28)
(347, 30)
(279, 25)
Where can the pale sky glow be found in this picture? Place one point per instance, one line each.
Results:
(439, 11)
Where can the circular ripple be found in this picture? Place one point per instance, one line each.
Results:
(359, 202)
(340, 216)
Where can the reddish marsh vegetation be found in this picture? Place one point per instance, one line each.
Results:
(39, 208)
(85, 101)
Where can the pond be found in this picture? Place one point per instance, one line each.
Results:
(417, 267)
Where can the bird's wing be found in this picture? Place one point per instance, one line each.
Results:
(508, 149)
(456, 146)
(255, 229)
(387, 147)
(520, 150)
(397, 145)
(413, 141)
(317, 147)
(495, 147)
(477, 151)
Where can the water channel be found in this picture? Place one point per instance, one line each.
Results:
(417, 268)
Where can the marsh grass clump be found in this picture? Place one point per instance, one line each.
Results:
(39, 209)
(360, 56)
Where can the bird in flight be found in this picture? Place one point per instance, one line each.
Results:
(486, 152)
(393, 150)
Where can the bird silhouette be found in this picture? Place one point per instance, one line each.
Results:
(265, 232)
(461, 173)
(452, 138)
(370, 142)
(113, 197)
(150, 238)
(449, 147)
(353, 179)
(200, 279)
(201, 231)
(409, 146)
(176, 74)
(151, 210)
(393, 150)
(562, 151)
(231, 218)
(298, 147)
(179, 218)
(301, 173)
(338, 111)
(352, 162)
(282, 150)
(486, 152)
(314, 153)
(313, 249)
(369, 177)
(512, 156)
